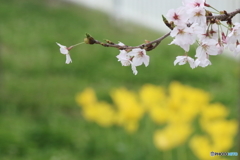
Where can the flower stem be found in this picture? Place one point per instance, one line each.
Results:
(214, 9)
(76, 44)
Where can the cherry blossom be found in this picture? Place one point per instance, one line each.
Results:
(235, 48)
(234, 35)
(65, 50)
(185, 35)
(135, 57)
(207, 47)
(190, 24)
(202, 62)
(177, 16)
(181, 60)
(197, 15)
(211, 33)
(124, 58)
(139, 57)
(134, 69)
(193, 3)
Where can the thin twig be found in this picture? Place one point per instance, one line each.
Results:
(153, 44)
(224, 17)
(148, 46)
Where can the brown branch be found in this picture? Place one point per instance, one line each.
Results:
(153, 44)
(147, 46)
(225, 17)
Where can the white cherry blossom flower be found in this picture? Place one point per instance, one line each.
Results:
(181, 60)
(124, 58)
(208, 47)
(234, 35)
(139, 57)
(220, 48)
(193, 3)
(197, 15)
(202, 62)
(211, 34)
(65, 50)
(203, 52)
(177, 16)
(235, 48)
(185, 36)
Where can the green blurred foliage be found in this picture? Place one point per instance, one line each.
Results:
(39, 118)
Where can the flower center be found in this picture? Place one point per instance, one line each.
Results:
(140, 54)
(181, 31)
(176, 17)
(197, 4)
(198, 14)
(205, 47)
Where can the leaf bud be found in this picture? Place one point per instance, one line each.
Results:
(89, 39)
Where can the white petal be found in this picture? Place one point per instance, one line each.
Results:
(124, 58)
(64, 50)
(60, 45)
(202, 63)
(137, 51)
(176, 61)
(121, 44)
(191, 62)
(137, 61)
(180, 60)
(134, 69)
(68, 59)
(146, 60)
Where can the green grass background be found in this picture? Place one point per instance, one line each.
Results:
(39, 118)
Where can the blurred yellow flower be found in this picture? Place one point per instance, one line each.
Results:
(159, 114)
(222, 144)
(201, 147)
(222, 133)
(106, 114)
(89, 112)
(221, 127)
(182, 94)
(172, 136)
(213, 111)
(152, 95)
(101, 113)
(185, 102)
(87, 97)
(129, 109)
(177, 109)
(131, 127)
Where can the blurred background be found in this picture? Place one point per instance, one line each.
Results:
(41, 116)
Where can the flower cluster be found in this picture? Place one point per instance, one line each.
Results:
(134, 57)
(126, 113)
(175, 113)
(190, 25)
